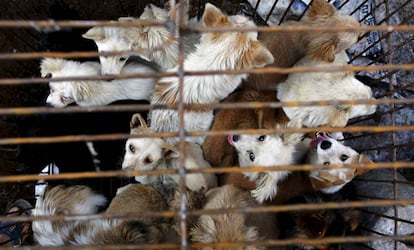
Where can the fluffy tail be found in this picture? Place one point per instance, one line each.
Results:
(62, 200)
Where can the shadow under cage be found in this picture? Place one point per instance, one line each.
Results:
(208, 124)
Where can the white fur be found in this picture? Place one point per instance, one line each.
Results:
(211, 54)
(141, 37)
(77, 200)
(93, 92)
(146, 154)
(322, 86)
(264, 151)
(332, 156)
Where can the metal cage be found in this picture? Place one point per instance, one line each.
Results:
(382, 59)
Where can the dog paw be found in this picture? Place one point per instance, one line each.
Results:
(264, 193)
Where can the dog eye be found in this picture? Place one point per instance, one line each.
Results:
(251, 156)
(261, 138)
(48, 75)
(123, 59)
(147, 160)
(326, 163)
(131, 148)
(344, 157)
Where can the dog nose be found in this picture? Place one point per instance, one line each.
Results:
(235, 138)
(326, 144)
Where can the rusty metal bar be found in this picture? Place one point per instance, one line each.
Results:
(387, 216)
(100, 137)
(224, 169)
(239, 105)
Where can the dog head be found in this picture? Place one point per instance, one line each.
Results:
(63, 93)
(243, 50)
(324, 45)
(266, 150)
(316, 224)
(111, 39)
(327, 151)
(145, 153)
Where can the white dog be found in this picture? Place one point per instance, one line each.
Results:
(79, 200)
(154, 153)
(93, 92)
(323, 86)
(327, 151)
(268, 150)
(216, 51)
(141, 37)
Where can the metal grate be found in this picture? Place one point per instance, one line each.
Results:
(382, 59)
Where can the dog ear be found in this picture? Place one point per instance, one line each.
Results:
(95, 33)
(353, 218)
(323, 49)
(213, 16)
(51, 65)
(262, 57)
(137, 121)
(81, 91)
(320, 9)
(170, 151)
(257, 57)
(363, 159)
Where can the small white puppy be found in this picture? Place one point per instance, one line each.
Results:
(267, 151)
(154, 153)
(324, 86)
(327, 151)
(93, 92)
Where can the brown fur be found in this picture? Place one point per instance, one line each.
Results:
(286, 48)
(316, 224)
(140, 198)
(195, 201)
(232, 227)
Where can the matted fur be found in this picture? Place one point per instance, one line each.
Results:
(264, 151)
(216, 51)
(233, 227)
(154, 153)
(287, 48)
(144, 39)
(93, 92)
(79, 200)
(323, 86)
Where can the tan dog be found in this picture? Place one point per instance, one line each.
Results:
(216, 51)
(287, 48)
(232, 227)
(135, 198)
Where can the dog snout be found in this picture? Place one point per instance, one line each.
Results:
(235, 138)
(325, 145)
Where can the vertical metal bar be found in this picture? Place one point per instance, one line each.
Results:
(181, 132)
(394, 136)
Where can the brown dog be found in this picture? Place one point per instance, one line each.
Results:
(287, 48)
